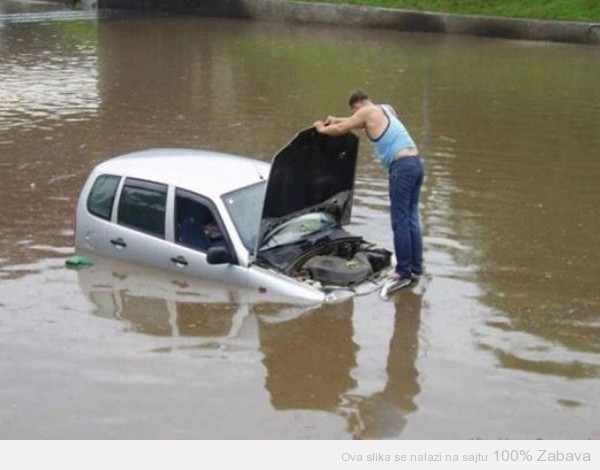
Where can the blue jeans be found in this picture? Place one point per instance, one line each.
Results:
(406, 179)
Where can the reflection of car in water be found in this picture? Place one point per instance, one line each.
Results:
(310, 354)
(164, 305)
(275, 228)
(309, 357)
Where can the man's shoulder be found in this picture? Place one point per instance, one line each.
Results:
(374, 112)
(371, 109)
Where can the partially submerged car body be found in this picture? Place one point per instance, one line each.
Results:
(275, 228)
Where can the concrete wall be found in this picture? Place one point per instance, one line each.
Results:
(371, 17)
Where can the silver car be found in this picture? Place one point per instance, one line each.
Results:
(272, 228)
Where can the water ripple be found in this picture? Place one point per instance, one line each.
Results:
(34, 93)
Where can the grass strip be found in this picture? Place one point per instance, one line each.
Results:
(573, 10)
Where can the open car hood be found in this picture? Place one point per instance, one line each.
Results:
(314, 172)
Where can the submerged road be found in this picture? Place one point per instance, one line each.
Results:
(504, 341)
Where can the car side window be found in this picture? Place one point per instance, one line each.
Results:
(195, 224)
(102, 196)
(142, 206)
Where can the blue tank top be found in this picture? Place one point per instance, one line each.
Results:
(394, 138)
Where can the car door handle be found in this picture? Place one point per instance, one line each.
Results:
(118, 243)
(180, 261)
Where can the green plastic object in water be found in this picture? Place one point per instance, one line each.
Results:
(78, 261)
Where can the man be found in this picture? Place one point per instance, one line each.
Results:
(399, 155)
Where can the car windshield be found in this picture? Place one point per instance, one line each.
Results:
(245, 207)
(298, 228)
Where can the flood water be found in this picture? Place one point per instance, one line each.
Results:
(503, 343)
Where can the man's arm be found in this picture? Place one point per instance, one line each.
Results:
(341, 126)
(334, 120)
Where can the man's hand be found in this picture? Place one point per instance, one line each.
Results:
(335, 126)
(320, 125)
(329, 120)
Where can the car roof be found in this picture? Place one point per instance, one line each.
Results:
(205, 172)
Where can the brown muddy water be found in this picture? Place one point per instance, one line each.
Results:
(503, 343)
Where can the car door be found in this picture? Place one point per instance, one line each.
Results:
(198, 227)
(138, 231)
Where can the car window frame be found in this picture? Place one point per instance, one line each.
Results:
(144, 184)
(211, 206)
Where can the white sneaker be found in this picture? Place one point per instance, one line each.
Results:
(394, 283)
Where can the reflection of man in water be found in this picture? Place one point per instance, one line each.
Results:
(309, 361)
(384, 414)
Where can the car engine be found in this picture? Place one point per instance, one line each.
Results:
(345, 265)
(339, 271)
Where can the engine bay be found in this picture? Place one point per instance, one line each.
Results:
(337, 259)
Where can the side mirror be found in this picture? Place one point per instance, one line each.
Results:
(218, 255)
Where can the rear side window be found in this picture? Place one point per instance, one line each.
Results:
(142, 206)
(102, 196)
